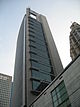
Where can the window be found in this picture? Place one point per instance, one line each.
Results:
(60, 96)
(35, 28)
(35, 85)
(41, 59)
(39, 52)
(40, 66)
(41, 76)
(32, 16)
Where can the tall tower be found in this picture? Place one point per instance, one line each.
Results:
(37, 61)
(74, 40)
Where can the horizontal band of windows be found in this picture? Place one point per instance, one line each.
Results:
(40, 71)
(33, 48)
(41, 37)
(38, 54)
(35, 31)
(40, 48)
(34, 21)
(41, 76)
(34, 43)
(35, 28)
(40, 81)
(39, 31)
(40, 66)
(40, 59)
(29, 17)
(37, 39)
(39, 86)
(37, 70)
(34, 25)
(36, 48)
(42, 53)
(41, 62)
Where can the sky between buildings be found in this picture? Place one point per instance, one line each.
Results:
(59, 13)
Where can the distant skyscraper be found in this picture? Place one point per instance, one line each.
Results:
(5, 90)
(37, 61)
(74, 40)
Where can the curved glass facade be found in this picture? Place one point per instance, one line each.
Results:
(39, 56)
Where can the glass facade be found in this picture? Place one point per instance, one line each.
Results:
(41, 68)
(60, 96)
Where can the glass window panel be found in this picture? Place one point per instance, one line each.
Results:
(41, 76)
(60, 87)
(40, 35)
(37, 37)
(38, 41)
(61, 92)
(64, 97)
(34, 21)
(35, 28)
(53, 93)
(54, 98)
(56, 104)
(35, 84)
(38, 46)
(34, 64)
(61, 95)
(41, 53)
(40, 66)
(34, 43)
(45, 68)
(34, 25)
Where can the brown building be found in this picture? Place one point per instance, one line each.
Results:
(74, 40)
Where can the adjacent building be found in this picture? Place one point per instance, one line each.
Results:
(37, 61)
(5, 90)
(64, 90)
(74, 40)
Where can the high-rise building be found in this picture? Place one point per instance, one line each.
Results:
(5, 90)
(37, 60)
(74, 40)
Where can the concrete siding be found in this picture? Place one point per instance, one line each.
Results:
(71, 78)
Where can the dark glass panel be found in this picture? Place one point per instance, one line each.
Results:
(41, 53)
(40, 66)
(40, 75)
(41, 59)
(35, 84)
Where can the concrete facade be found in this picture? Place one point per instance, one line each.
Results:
(71, 78)
(74, 40)
(36, 51)
(5, 90)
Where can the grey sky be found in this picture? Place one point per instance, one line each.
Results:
(59, 13)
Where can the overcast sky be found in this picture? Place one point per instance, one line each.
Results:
(59, 13)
